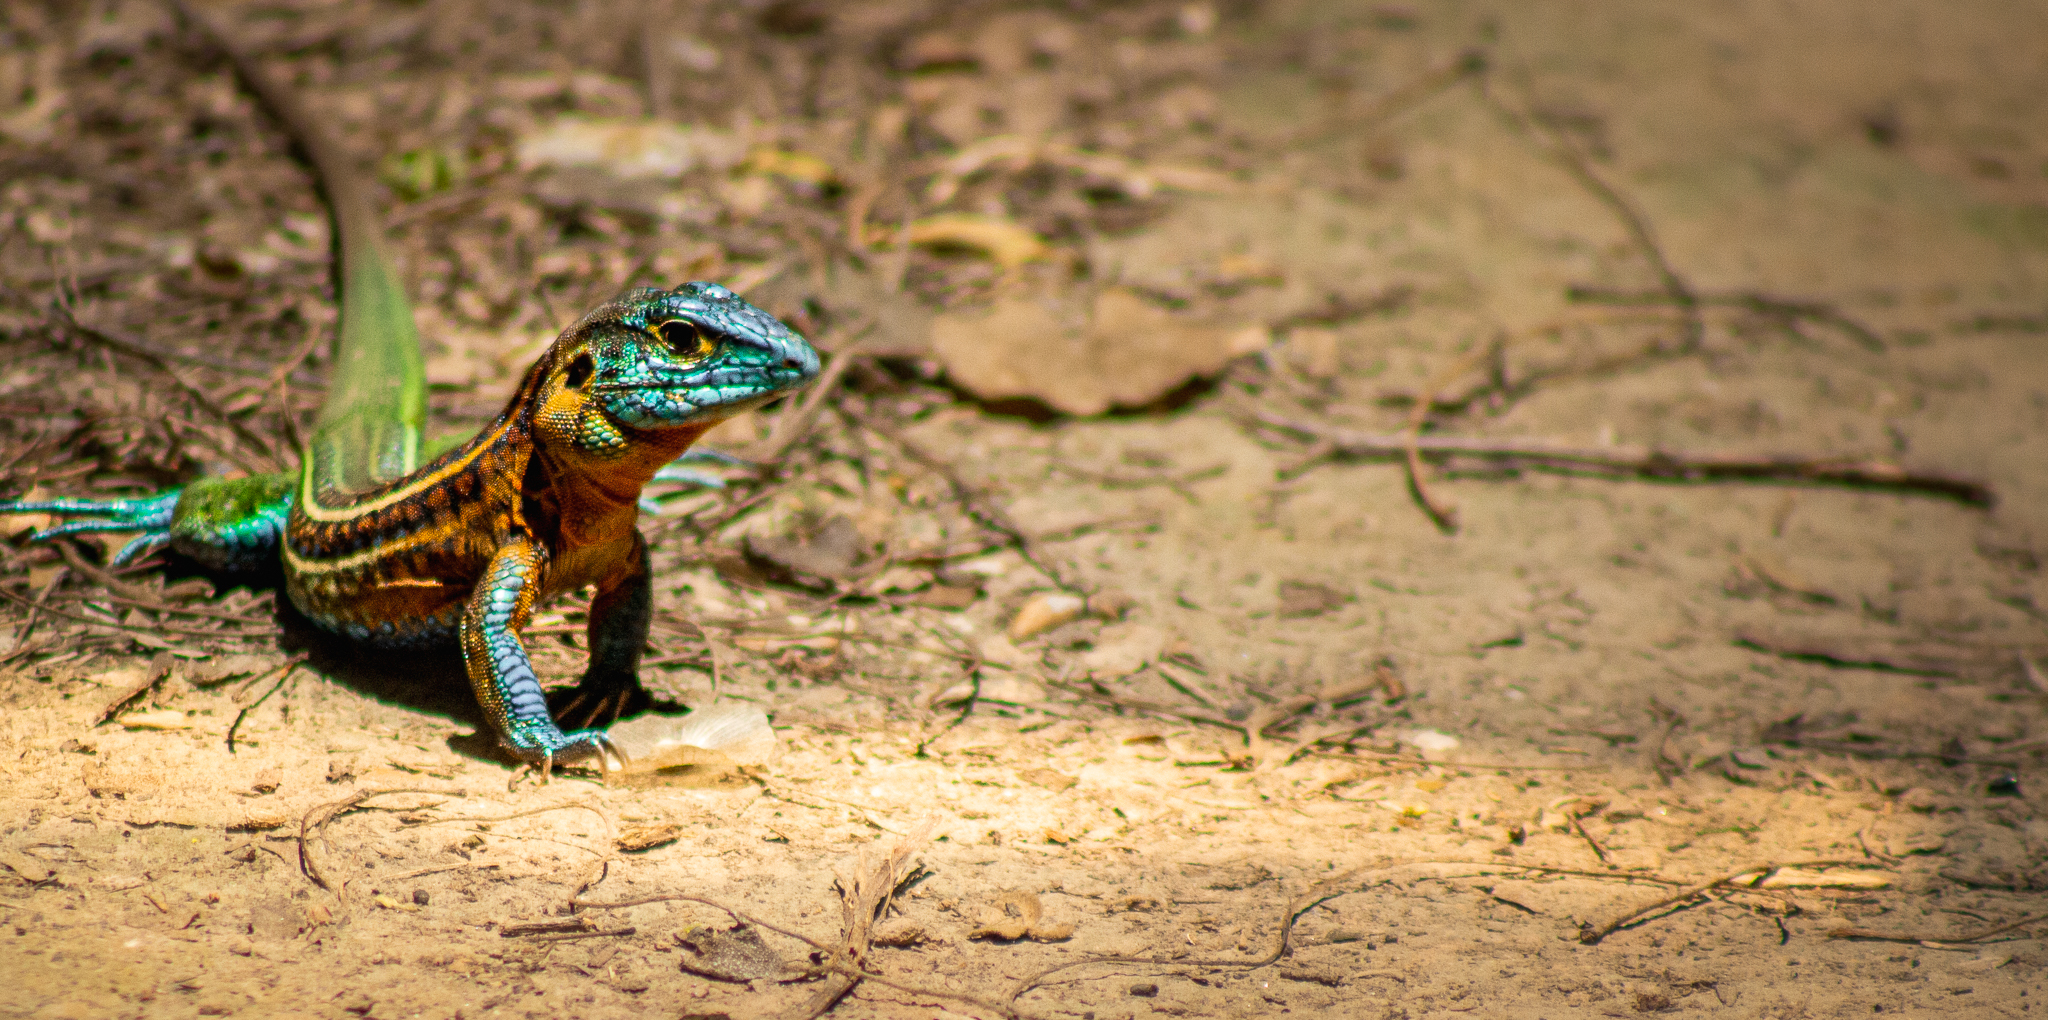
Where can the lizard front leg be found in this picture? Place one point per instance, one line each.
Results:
(619, 616)
(499, 670)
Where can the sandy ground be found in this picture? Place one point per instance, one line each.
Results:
(1470, 748)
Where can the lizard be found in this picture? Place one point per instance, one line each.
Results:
(392, 553)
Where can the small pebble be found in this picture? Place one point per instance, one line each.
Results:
(1145, 990)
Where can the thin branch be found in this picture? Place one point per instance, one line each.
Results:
(1567, 155)
(976, 502)
(1878, 936)
(1648, 463)
(286, 669)
(185, 631)
(1752, 301)
(1469, 64)
(1590, 934)
(140, 351)
(791, 427)
(314, 824)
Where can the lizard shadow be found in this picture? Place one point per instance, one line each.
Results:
(430, 680)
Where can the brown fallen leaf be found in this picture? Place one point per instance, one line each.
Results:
(1300, 599)
(1051, 779)
(732, 954)
(1123, 649)
(1130, 355)
(1043, 612)
(646, 837)
(1007, 243)
(832, 550)
(1018, 914)
(899, 931)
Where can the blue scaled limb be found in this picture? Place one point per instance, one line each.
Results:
(150, 515)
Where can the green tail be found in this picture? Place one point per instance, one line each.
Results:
(375, 413)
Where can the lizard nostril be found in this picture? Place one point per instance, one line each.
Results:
(792, 364)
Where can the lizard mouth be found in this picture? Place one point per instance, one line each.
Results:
(666, 387)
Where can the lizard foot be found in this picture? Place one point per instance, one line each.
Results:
(590, 706)
(150, 515)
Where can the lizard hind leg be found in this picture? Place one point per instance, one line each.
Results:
(150, 515)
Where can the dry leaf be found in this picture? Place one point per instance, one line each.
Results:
(898, 931)
(1123, 649)
(1048, 778)
(1809, 878)
(628, 148)
(1130, 355)
(1043, 612)
(796, 166)
(1306, 598)
(1007, 243)
(833, 550)
(731, 954)
(163, 719)
(647, 837)
(1018, 914)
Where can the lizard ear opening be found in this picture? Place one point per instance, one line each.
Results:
(579, 371)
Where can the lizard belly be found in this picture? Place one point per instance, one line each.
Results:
(391, 613)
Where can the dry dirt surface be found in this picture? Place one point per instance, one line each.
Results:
(1324, 508)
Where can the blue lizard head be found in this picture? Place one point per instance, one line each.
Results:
(659, 359)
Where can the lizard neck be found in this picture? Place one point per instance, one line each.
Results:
(593, 499)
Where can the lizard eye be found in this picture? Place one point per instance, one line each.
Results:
(684, 338)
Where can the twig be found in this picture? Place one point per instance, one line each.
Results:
(1599, 851)
(188, 632)
(1648, 463)
(159, 669)
(976, 502)
(1412, 759)
(1865, 933)
(1567, 155)
(68, 551)
(140, 351)
(791, 427)
(1347, 882)
(35, 606)
(605, 934)
(1444, 517)
(737, 915)
(171, 610)
(864, 895)
(1468, 64)
(824, 951)
(1590, 934)
(1666, 766)
(1747, 300)
(314, 823)
(286, 668)
(1861, 652)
